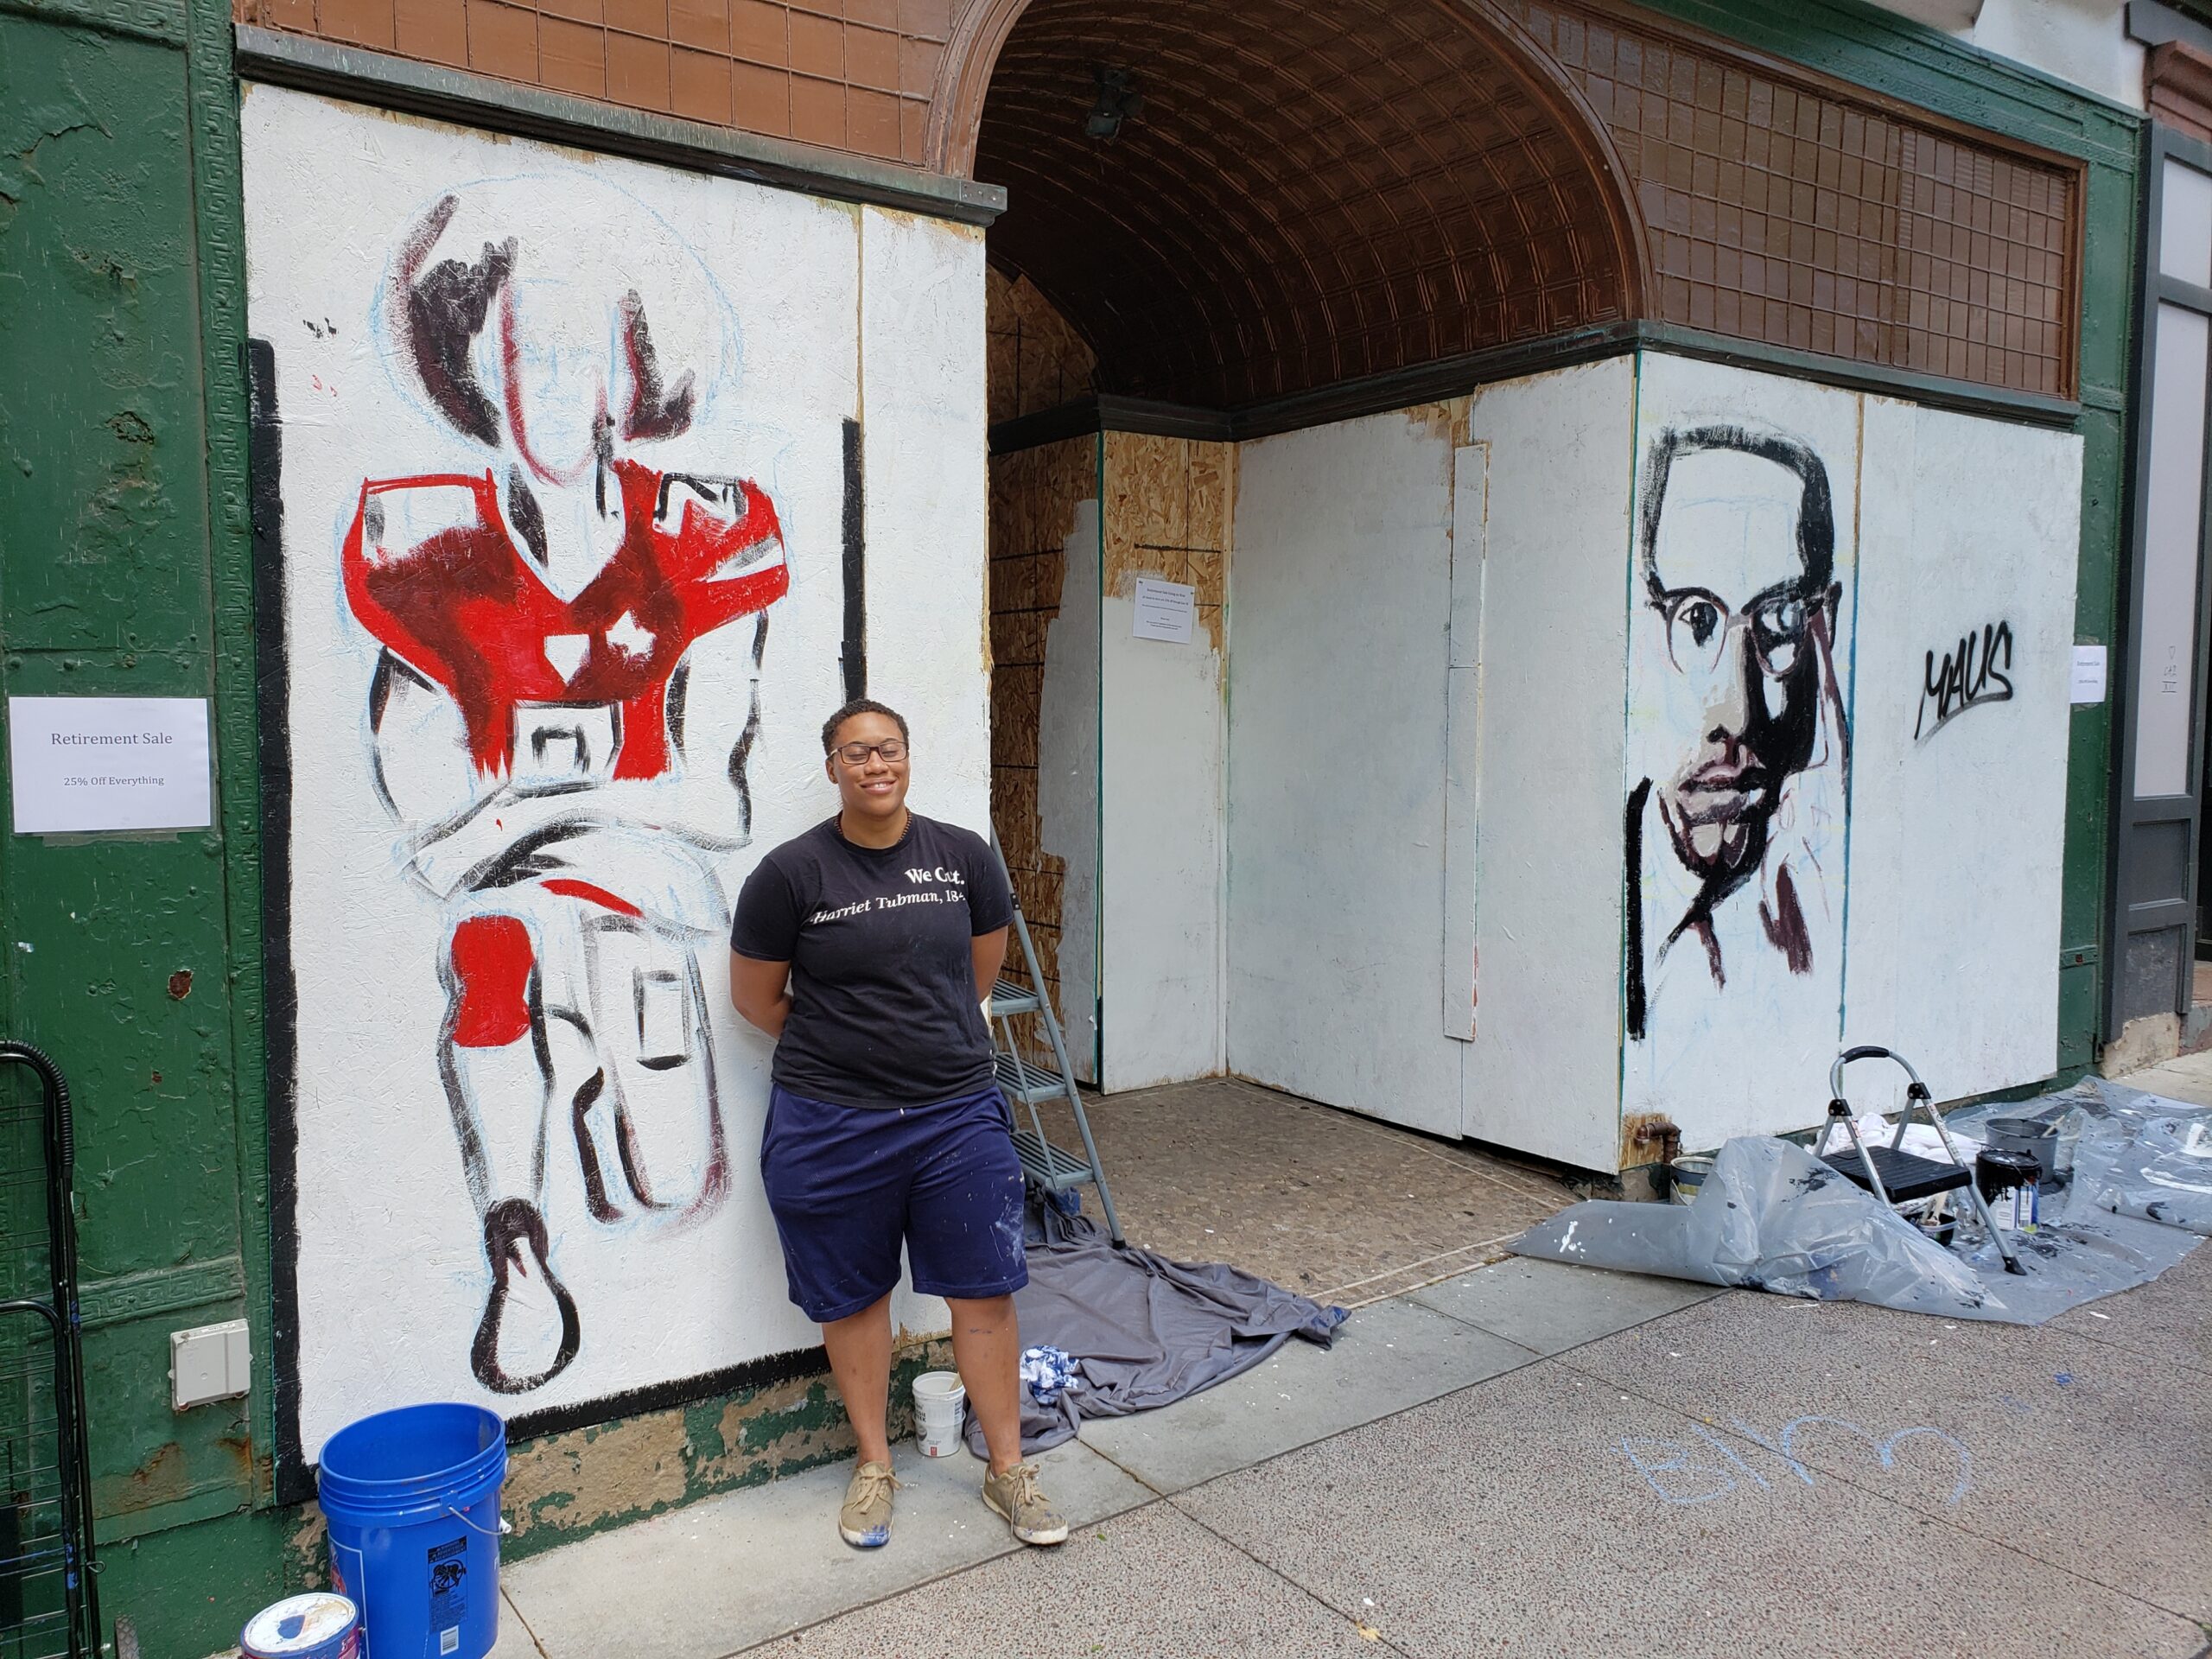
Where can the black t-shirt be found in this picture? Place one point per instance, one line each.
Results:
(883, 983)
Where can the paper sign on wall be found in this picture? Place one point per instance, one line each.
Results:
(1165, 611)
(85, 765)
(2087, 684)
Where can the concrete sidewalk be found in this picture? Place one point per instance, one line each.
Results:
(1528, 1459)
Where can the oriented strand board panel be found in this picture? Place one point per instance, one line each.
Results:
(1037, 496)
(1542, 1074)
(563, 566)
(1336, 768)
(1162, 737)
(1037, 360)
(1959, 717)
(1737, 774)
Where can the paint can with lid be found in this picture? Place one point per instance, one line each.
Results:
(940, 1399)
(1689, 1173)
(320, 1625)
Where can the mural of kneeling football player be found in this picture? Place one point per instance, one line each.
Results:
(536, 618)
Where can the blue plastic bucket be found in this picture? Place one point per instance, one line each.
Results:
(412, 1499)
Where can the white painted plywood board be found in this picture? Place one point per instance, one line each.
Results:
(1336, 768)
(1160, 790)
(1067, 782)
(1737, 747)
(1970, 529)
(925, 458)
(1542, 1074)
(756, 295)
(1462, 734)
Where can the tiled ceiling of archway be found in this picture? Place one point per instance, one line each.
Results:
(1309, 194)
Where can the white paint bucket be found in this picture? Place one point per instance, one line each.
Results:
(939, 1399)
(314, 1626)
(1690, 1170)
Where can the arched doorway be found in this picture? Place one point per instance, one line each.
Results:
(1236, 215)
(1301, 195)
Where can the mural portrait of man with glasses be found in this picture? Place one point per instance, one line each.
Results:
(1742, 727)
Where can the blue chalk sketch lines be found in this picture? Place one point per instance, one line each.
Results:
(1681, 1473)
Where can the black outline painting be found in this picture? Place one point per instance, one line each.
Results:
(1759, 665)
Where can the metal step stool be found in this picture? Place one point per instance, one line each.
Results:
(1051, 1168)
(1893, 1175)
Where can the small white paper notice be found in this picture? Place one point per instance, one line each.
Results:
(80, 765)
(1165, 610)
(2088, 681)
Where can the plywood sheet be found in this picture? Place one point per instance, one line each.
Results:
(1034, 496)
(1740, 594)
(1337, 768)
(1959, 719)
(1543, 1070)
(1036, 359)
(778, 322)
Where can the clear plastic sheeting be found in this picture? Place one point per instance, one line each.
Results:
(1771, 1216)
(2121, 1151)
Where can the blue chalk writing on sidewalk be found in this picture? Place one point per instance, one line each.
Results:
(1681, 1472)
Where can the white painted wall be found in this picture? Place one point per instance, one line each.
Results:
(925, 457)
(793, 315)
(1958, 828)
(2084, 41)
(1162, 740)
(1543, 1072)
(1067, 782)
(1738, 1035)
(1342, 592)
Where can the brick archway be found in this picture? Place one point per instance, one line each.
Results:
(1308, 196)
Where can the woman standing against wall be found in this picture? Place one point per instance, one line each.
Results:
(864, 948)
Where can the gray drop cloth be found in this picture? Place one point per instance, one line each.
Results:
(1770, 1217)
(1143, 1330)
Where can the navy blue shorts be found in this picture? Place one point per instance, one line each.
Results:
(847, 1183)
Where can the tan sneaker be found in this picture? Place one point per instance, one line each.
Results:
(865, 1522)
(1013, 1496)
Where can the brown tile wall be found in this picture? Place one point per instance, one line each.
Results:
(848, 74)
(1433, 212)
(1780, 209)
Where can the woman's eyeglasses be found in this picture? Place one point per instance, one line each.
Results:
(856, 754)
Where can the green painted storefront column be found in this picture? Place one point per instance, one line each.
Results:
(135, 961)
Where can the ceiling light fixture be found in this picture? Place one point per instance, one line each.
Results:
(1117, 103)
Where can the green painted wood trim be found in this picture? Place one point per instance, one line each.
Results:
(162, 1290)
(219, 214)
(144, 20)
(1893, 55)
(271, 55)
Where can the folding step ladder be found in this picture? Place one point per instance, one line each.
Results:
(1893, 1175)
(1053, 1168)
